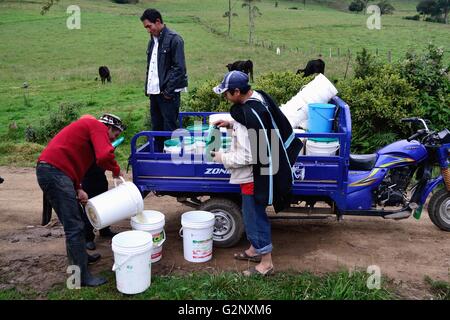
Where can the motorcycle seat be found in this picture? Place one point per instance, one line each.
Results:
(362, 162)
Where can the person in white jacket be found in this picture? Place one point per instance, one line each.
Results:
(238, 160)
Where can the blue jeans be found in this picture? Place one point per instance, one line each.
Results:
(257, 225)
(164, 115)
(59, 190)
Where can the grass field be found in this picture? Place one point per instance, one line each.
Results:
(60, 64)
(230, 286)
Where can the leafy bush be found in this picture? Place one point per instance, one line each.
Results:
(386, 7)
(356, 6)
(427, 73)
(366, 64)
(282, 86)
(203, 99)
(436, 19)
(67, 113)
(377, 103)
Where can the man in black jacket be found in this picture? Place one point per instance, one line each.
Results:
(166, 73)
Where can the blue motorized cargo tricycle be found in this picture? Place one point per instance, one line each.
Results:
(392, 183)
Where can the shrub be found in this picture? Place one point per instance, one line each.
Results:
(282, 86)
(356, 6)
(377, 103)
(366, 64)
(386, 7)
(66, 113)
(427, 73)
(203, 99)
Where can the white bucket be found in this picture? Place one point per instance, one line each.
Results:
(132, 264)
(321, 149)
(119, 203)
(197, 228)
(153, 223)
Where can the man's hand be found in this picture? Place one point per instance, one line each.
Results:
(222, 123)
(82, 196)
(166, 96)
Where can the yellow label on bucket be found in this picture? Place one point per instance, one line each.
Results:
(157, 237)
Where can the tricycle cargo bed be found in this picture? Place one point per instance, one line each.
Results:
(319, 176)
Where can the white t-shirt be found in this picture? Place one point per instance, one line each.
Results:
(153, 78)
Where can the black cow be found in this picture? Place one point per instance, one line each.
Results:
(313, 66)
(103, 71)
(1, 180)
(244, 66)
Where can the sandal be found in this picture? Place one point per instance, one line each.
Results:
(244, 256)
(253, 271)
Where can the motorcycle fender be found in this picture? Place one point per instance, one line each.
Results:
(430, 187)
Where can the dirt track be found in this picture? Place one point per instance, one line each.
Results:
(406, 251)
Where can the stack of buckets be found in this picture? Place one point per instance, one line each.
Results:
(136, 250)
(320, 120)
(197, 144)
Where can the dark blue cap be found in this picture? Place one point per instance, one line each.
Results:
(234, 80)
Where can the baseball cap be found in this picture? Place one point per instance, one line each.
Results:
(233, 79)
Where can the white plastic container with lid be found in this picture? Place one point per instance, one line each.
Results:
(132, 264)
(197, 232)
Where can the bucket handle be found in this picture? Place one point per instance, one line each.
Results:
(115, 180)
(115, 266)
(332, 119)
(163, 240)
(180, 233)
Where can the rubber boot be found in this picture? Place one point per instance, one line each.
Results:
(78, 256)
(90, 245)
(93, 258)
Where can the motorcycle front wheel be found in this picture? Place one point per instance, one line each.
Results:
(439, 209)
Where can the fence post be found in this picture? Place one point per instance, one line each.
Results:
(330, 52)
(338, 52)
(390, 56)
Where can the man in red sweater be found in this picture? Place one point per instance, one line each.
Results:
(60, 170)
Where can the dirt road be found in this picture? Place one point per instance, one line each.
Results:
(406, 251)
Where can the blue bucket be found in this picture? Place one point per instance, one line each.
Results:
(320, 117)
